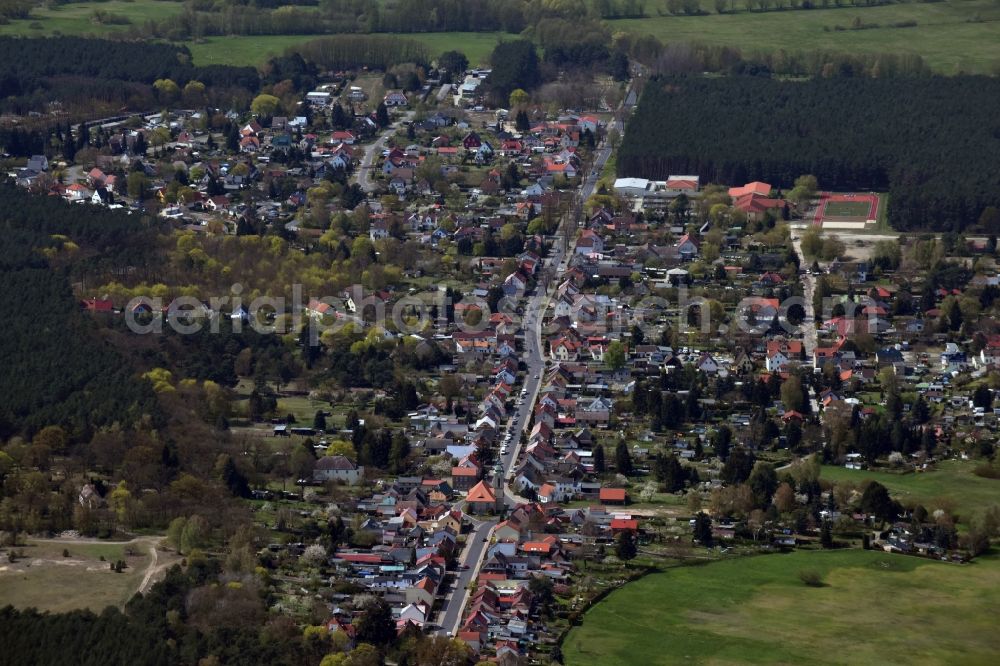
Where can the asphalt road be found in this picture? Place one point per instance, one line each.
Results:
(476, 543)
(364, 172)
(534, 358)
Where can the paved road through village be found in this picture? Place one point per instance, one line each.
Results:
(534, 358)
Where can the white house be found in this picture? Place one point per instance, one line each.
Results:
(707, 364)
(337, 468)
(378, 230)
(776, 362)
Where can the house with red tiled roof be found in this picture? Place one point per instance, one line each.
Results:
(781, 352)
(482, 498)
(756, 187)
(97, 305)
(474, 639)
(687, 247)
(343, 136)
(589, 243)
(421, 592)
(756, 206)
(682, 184)
(508, 530)
(613, 496)
(619, 525)
(464, 478)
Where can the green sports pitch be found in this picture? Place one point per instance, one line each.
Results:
(847, 209)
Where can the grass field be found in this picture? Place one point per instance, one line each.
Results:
(874, 608)
(951, 485)
(46, 580)
(953, 35)
(846, 209)
(946, 35)
(75, 19)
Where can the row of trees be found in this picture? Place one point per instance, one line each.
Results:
(355, 51)
(852, 134)
(101, 75)
(358, 16)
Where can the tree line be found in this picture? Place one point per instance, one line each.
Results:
(34, 70)
(930, 142)
(355, 51)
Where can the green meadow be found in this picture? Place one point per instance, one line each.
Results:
(952, 486)
(873, 608)
(77, 18)
(952, 36)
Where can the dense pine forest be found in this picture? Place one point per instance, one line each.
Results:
(77, 70)
(56, 368)
(932, 143)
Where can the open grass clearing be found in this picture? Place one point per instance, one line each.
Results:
(873, 608)
(47, 580)
(952, 485)
(76, 18)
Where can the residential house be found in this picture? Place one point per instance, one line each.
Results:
(337, 468)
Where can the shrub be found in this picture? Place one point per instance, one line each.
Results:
(811, 578)
(987, 470)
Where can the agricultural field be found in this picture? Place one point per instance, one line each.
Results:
(901, 610)
(78, 18)
(952, 36)
(45, 579)
(952, 485)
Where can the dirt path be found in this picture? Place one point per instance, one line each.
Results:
(153, 568)
(150, 570)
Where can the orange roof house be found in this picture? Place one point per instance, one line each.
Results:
(613, 496)
(756, 187)
(482, 499)
(624, 525)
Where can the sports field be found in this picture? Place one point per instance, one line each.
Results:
(874, 608)
(847, 209)
(859, 208)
